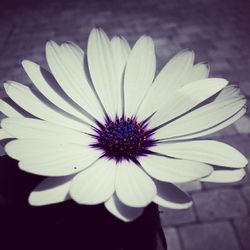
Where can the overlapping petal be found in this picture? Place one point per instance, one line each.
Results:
(209, 151)
(170, 196)
(122, 211)
(95, 184)
(51, 159)
(66, 64)
(133, 186)
(139, 74)
(174, 170)
(51, 190)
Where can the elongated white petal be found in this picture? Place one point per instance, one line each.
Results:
(212, 129)
(166, 83)
(47, 85)
(185, 98)
(66, 64)
(121, 211)
(213, 152)
(139, 74)
(8, 110)
(4, 134)
(170, 196)
(50, 191)
(120, 51)
(133, 186)
(228, 92)
(24, 97)
(198, 72)
(51, 159)
(174, 170)
(202, 118)
(95, 184)
(27, 128)
(102, 71)
(225, 176)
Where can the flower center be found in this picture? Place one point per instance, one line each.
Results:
(124, 138)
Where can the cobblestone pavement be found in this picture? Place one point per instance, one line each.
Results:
(218, 32)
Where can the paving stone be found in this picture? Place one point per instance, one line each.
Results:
(219, 204)
(209, 236)
(172, 238)
(245, 87)
(176, 217)
(190, 186)
(246, 193)
(243, 125)
(242, 226)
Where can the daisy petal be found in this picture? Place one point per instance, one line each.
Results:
(134, 187)
(95, 184)
(27, 128)
(225, 176)
(174, 170)
(51, 159)
(25, 98)
(50, 191)
(121, 211)
(8, 110)
(120, 50)
(170, 196)
(199, 71)
(102, 70)
(47, 85)
(228, 92)
(4, 135)
(139, 74)
(212, 129)
(202, 118)
(212, 152)
(66, 64)
(187, 98)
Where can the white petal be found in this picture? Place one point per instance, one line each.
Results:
(8, 110)
(95, 184)
(174, 170)
(170, 196)
(186, 98)
(102, 70)
(46, 84)
(4, 134)
(51, 159)
(133, 186)
(121, 211)
(139, 73)
(200, 119)
(51, 190)
(66, 64)
(25, 98)
(120, 51)
(27, 128)
(225, 176)
(212, 129)
(166, 83)
(212, 152)
(199, 71)
(229, 92)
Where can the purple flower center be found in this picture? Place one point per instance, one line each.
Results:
(124, 138)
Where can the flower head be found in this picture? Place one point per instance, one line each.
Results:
(104, 129)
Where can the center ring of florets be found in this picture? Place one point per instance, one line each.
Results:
(123, 138)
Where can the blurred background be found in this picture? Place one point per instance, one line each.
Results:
(217, 31)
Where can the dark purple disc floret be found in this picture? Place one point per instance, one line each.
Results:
(123, 138)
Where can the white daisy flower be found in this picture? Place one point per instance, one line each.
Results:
(104, 129)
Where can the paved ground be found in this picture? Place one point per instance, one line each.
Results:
(218, 31)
